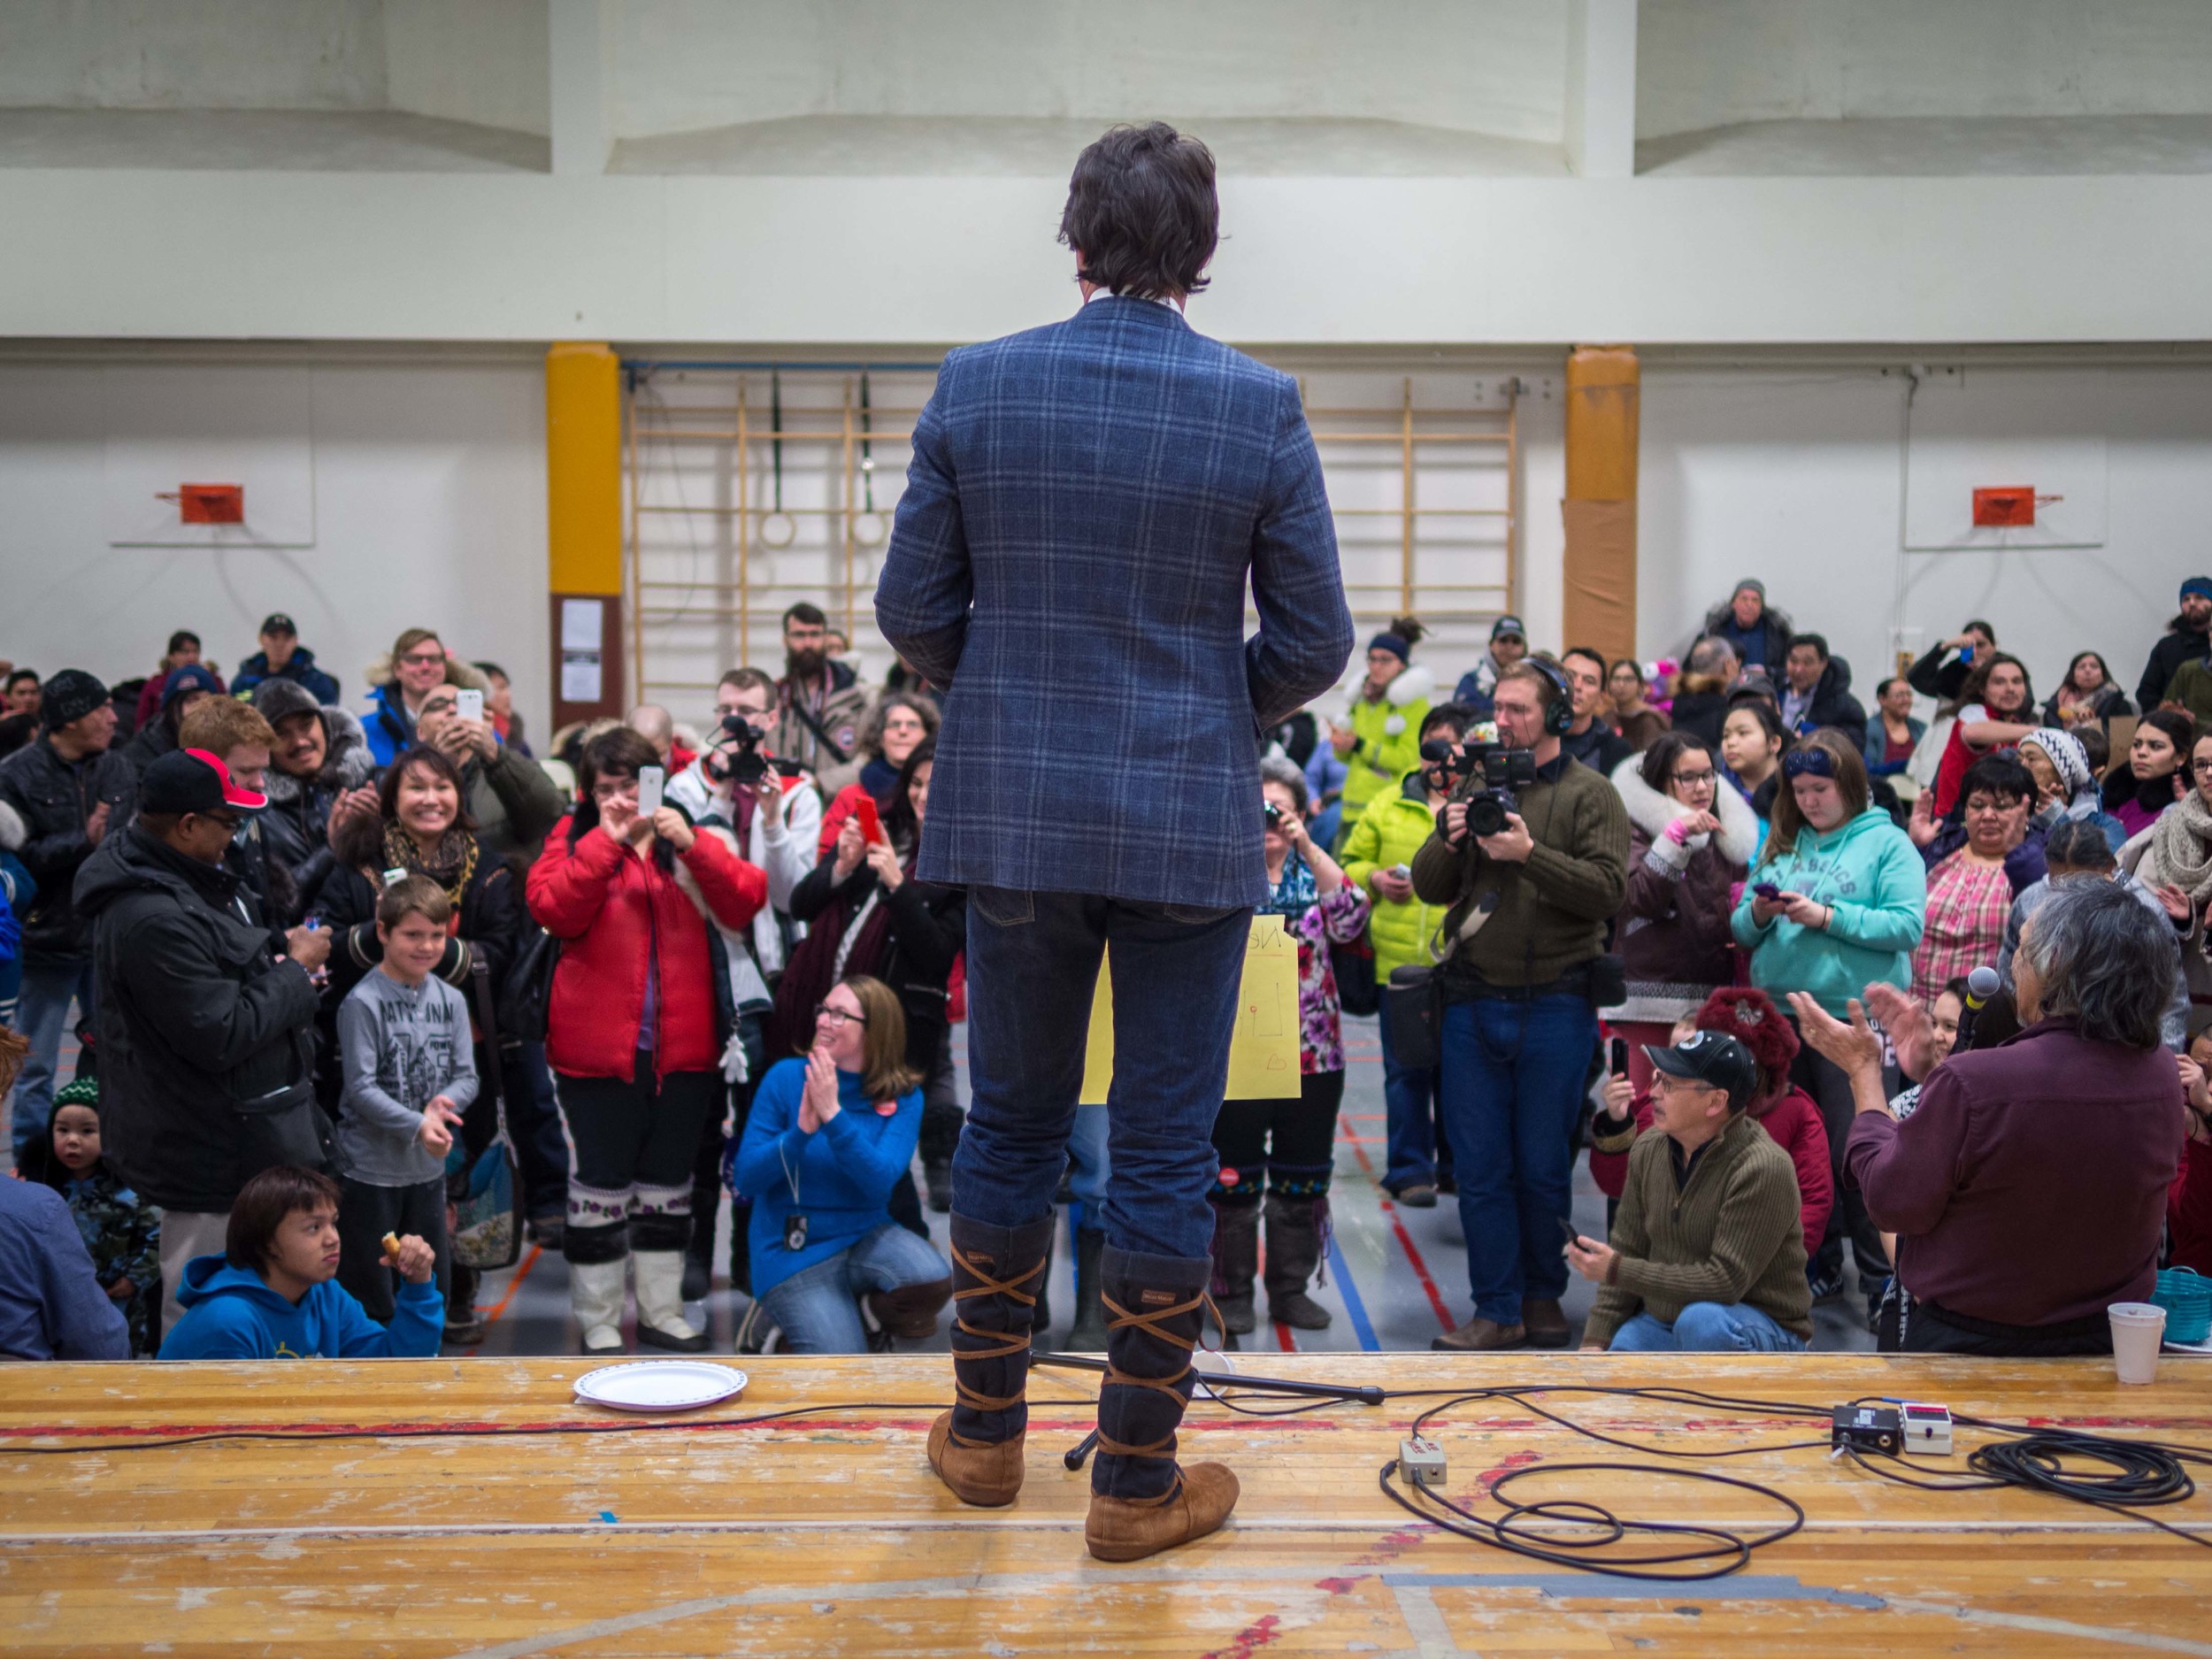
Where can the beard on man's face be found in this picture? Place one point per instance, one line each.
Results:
(802, 665)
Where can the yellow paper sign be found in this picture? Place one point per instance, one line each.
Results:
(1264, 1048)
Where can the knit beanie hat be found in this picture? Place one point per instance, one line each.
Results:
(279, 700)
(192, 677)
(69, 695)
(84, 1091)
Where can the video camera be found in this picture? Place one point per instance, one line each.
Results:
(1486, 777)
(739, 757)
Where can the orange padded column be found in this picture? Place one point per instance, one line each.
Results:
(1603, 388)
(583, 475)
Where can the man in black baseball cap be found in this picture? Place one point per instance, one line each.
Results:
(207, 1048)
(282, 656)
(71, 788)
(1508, 643)
(1708, 1250)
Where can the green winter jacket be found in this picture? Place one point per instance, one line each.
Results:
(1870, 873)
(1388, 834)
(1389, 744)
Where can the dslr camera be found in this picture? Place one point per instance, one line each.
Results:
(1488, 774)
(739, 757)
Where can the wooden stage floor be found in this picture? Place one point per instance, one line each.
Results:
(826, 1534)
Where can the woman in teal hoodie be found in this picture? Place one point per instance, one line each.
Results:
(1836, 902)
(273, 1293)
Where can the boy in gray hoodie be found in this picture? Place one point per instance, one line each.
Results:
(410, 1074)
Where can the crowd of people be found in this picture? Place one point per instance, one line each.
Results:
(1711, 919)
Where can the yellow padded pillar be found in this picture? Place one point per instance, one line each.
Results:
(1603, 389)
(583, 481)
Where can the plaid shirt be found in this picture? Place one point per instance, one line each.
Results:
(1968, 905)
(1085, 504)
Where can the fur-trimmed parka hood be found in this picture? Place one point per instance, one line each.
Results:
(1651, 811)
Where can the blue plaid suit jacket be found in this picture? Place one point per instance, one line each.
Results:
(1084, 506)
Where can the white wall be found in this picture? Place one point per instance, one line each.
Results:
(192, 54)
(1796, 477)
(1711, 63)
(1496, 66)
(429, 509)
(469, 60)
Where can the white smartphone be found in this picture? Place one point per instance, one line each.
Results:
(649, 783)
(469, 704)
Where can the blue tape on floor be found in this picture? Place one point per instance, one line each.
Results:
(1354, 1308)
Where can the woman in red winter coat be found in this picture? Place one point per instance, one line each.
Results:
(1786, 1113)
(634, 1033)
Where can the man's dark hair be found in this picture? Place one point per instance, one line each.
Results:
(1458, 716)
(809, 614)
(1882, 690)
(1813, 640)
(1998, 774)
(2106, 961)
(750, 679)
(261, 1206)
(1656, 768)
(23, 675)
(181, 638)
(1588, 654)
(1975, 623)
(1142, 215)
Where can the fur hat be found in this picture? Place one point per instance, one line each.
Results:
(1750, 1017)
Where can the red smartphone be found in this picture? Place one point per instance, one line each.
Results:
(871, 825)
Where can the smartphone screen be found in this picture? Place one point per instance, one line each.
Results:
(650, 781)
(469, 704)
(1567, 1231)
(871, 825)
(1620, 1057)
(1767, 890)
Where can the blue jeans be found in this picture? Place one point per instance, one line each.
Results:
(1032, 968)
(42, 1014)
(1512, 1072)
(1411, 1126)
(1708, 1327)
(817, 1309)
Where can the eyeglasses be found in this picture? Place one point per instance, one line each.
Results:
(2201, 768)
(423, 659)
(837, 1016)
(1691, 779)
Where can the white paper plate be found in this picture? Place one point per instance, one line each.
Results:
(659, 1384)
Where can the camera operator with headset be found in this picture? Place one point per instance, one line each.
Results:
(1531, 853)
(770, 811)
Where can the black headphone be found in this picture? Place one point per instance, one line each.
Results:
(1559, 713)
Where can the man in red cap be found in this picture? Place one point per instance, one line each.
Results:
(206, 1040)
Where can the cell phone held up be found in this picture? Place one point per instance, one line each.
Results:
(870, 821)
(651, 782)
(1618, 1058)
(469, 704)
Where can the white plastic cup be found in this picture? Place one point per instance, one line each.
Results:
(2136, 1329)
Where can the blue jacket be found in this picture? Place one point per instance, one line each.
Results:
(844, 1171)
(389, 727)
(1084, 506)
(299, 667)
(230, 1314)
(51, 1307)
(1870, 872)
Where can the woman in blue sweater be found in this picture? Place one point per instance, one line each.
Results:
(827, 1139)
(273, 1294)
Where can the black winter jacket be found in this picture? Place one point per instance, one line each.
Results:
(1833, 705)
(929, 928)
(55, 798)
(207, 1046)
(295, 826)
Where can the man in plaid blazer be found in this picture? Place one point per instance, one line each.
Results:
(1085, 506)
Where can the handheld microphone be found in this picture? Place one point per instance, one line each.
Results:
(1981, 984)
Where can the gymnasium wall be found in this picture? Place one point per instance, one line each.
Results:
(426, 483)
(425, 478)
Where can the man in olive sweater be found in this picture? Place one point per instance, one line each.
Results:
(1708, 1253)
(1529, 907)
